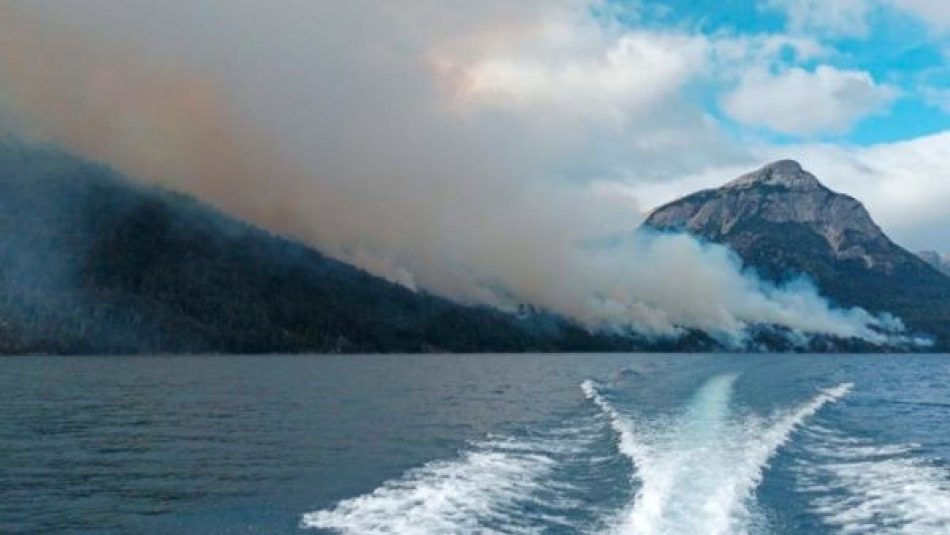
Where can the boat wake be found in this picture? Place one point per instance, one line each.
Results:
(695, 470)
(487, 488)
(444, 496)
(698, 470)
(859, 487)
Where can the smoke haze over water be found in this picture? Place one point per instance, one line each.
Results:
(476, 151)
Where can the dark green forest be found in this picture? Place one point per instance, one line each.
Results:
(93, 263)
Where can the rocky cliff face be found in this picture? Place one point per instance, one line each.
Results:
(783, 222)
(783, 195)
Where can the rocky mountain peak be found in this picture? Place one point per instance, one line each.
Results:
(781, 197)
(782, 222)
(787, 174)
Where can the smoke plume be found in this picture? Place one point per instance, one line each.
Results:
(470, 150)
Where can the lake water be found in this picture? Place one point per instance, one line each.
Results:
(651, 444)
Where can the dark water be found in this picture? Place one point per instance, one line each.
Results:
(462, 444)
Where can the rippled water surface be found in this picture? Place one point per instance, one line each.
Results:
(646, 444)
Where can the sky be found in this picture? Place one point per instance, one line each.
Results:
(488, 150)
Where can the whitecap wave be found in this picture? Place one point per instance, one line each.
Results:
(860, 487)
(698, 472)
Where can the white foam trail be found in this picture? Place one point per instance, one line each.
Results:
(628, 443)
(699, 473)
(860, 487)
(490, 484)
(440, 497)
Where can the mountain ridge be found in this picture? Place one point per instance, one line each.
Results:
(92, 263)
(783, 223)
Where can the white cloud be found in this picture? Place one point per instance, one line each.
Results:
(800, 102)
(622, 78)
(844, 18)
(937, 96)
(850, 18)
(619, 75)
(935, 13)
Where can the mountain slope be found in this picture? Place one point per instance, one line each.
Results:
(91, 263)
(783, 222)
(937, 260)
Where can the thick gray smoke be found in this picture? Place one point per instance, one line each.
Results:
(472, 149)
